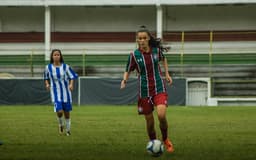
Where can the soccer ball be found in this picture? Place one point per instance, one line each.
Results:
(155, 148)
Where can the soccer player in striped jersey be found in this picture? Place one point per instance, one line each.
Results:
(152, 91)
(59, 80)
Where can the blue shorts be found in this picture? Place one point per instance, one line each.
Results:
(67, 107)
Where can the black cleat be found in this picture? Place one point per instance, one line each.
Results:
(68, 133)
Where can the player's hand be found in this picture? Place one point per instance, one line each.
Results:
(71, 87)
(123, 84)
(47, 86)
(168, 79)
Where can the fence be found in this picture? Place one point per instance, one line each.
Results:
(26, 91)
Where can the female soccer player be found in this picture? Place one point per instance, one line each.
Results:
(152, 91)
(59, 80)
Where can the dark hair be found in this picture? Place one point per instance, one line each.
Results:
(61, 57)
(153, 42)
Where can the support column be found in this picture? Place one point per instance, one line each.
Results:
(47, 33)
(159, 21)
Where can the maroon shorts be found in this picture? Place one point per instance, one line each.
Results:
(146, 105)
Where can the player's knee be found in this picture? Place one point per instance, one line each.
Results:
(162, 118)
(161, 112)
(67, 115)
(59, 113)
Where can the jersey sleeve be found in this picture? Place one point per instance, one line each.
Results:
(46, 73)
(131, 64)
(70, 73)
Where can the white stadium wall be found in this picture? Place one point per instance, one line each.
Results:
(205, 18)
(22, 19)
(128, 19)
(102, 19)
(78, 19)
(109, 19)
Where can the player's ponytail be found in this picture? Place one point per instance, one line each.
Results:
(153, 42)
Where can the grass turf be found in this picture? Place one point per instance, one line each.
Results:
(114, 133)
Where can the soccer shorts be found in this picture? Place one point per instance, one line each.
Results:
(67, 107)
(146, 105)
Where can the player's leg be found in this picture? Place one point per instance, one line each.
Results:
(59, 111)
(68, 122)
(161, 112)
(60, 121)
(67, 108)
(160, 101)
(150, 123)
(146, 107)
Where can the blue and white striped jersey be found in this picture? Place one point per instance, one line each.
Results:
(59, 78)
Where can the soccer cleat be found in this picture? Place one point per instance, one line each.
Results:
(61, 129)
(68, 133)
(169, 146)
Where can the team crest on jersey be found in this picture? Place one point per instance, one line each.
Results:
(155, 57)
(139, 60)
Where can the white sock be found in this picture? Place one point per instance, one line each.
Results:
(68, 123)
(60, 120)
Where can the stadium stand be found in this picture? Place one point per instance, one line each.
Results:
(228, 58)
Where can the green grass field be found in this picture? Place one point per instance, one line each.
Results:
(114, 133)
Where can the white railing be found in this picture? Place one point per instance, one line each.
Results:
(126, 48)
(118, 2)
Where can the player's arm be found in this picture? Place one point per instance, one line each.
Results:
(167, 75)
(130, 66)
(71, 76)
(71, 85)
(47, 84)
(46, 79)
(125, 78)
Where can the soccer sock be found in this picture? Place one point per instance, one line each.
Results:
(68, 123)
(164, 133)
(152, 135)
(60, 120)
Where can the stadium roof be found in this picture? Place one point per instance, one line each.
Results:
(119, 2)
